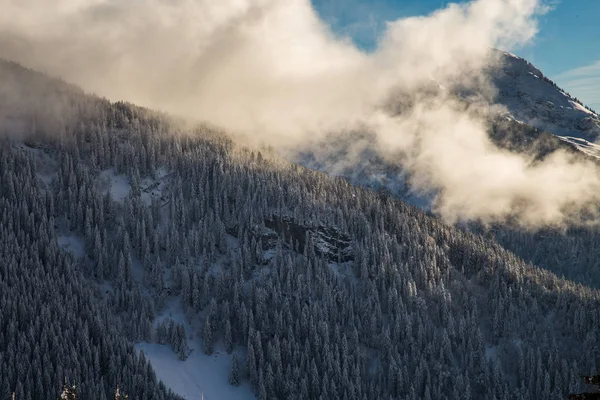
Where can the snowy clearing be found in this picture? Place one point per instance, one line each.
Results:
(73, 244)
(199, 375)
(117, 184)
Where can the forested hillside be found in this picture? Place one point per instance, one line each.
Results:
(325, 290)
(54, 325)
(572, 252)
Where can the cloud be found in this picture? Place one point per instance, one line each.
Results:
(585, 81)
(273, 70)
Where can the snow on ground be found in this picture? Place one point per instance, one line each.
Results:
(73, 244)
(511, 55)
(200, 376)
(46, 167)
(581, 108)
(589, 148)
(268, 254)
(106, 287)
(154, 187)
(344, 271)
(491, 352)
(137, 269)
(216, 267)
(117, 184)
(531, 98)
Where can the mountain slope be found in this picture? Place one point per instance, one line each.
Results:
(54, 326)
(325, 290)
(571, 253)
(539, 118)
(532, 98)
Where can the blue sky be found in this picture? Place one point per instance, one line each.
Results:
(566, 49)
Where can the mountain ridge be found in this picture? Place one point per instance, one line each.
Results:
(532, 98)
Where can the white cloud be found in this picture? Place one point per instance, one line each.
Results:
(272, 69)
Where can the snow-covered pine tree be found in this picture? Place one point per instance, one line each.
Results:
(234, 376)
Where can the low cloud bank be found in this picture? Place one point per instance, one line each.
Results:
(273, 70)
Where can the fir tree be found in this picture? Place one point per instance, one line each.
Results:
(234, 376)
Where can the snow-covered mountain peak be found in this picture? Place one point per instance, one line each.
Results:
(532, 98)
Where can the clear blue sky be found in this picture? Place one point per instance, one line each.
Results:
(566, 49)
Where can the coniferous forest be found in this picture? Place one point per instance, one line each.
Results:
(331, 291)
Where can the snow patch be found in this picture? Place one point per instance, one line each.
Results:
(269, 254)
(154, 187)
(344, 271)
(200, 376)
(586, 147)
(530, 97)
(137, 269)
(577, 106)
(117, 184)
(491, 352)
(511, 55)
(73, 244)
(106, 287)
(46, 167)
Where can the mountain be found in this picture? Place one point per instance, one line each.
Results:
(532, 98)
(530, 126)
(537, 118)
(142, 250)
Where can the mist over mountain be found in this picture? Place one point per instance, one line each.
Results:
(533, 117)
(271, 72)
